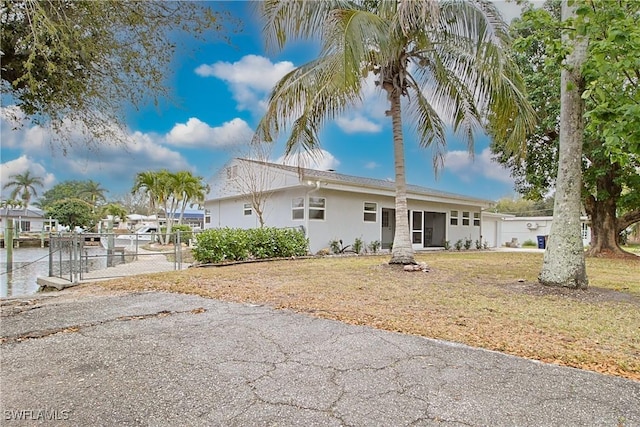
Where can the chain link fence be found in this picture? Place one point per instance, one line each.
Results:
(86, 256)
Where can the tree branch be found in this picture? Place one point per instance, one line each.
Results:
(627, 219)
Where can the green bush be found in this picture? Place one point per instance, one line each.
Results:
(467, 243)
(184, 229)
(530, 243)
(233, 244)
(458, 245)
(358, 245)
(374, 246)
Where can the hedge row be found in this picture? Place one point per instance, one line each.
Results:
(234, 244)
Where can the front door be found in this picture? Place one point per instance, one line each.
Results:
(388, 227)
(417, 232)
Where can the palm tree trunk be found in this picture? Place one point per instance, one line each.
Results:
(564, 263)
(402, 251)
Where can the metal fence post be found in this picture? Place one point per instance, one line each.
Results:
(51, 246)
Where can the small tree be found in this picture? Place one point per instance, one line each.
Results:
(73, 213)
(254, 180)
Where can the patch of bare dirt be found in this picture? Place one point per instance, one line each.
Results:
(592, 295)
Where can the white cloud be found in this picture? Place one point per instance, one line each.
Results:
(319, 160)
(358, 124)
(468, 169)
(371, 165)
(250, 79)
(368, 115)
(196, 133)
(110, 163)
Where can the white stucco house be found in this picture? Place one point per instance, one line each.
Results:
(521, 229)
(332, 206)
(25, 220)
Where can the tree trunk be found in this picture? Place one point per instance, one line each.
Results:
(601, 208)
(604, 234)
(564, 263)
(402, 251)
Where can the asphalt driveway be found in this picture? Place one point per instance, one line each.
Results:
(158, 359)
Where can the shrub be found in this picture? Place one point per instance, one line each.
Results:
(446, 244)
(530, 243)
(467, 243)
(185, 232)
(337, 247)
(233, 244)
(374, 246)
(458, 245)
(358, 245)
(478, 244)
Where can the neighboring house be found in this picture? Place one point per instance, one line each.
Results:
(194, 219)
(332, 206)
(517, 230)
(25, 220)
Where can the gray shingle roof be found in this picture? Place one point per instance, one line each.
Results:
(367, 182)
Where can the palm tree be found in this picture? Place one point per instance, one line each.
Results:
(154, 185)
(187, 189)
(24, 184)
(446, 59)
(92, 192)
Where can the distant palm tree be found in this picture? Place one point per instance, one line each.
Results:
(24, 185)
(92, 192)
(188, 189)
(446, 59)
(154, 185)
(170, 192)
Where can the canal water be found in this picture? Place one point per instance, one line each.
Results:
(28, 265)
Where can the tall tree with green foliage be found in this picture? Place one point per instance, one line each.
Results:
(73, 213)
(89, 191)
(611, 182)
(83, 61)
(446, 60)
(563, 263)
(24, 185)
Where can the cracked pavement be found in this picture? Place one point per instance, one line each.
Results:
(159, 359)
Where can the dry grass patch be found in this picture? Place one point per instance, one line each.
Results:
(483, 299)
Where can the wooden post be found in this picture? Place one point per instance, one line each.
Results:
(8, 244)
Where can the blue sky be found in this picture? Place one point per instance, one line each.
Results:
(220, 91)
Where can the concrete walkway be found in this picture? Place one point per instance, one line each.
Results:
(146, 262)
(157, 359)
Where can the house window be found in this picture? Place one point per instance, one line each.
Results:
(25, 225)
(247, 209)
(370, 212)
(317, 208)
(297, 208)
(585, 231)
(465, 218)
(454, 217)
(476, 219)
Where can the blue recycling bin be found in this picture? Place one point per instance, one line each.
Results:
(542, 242)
